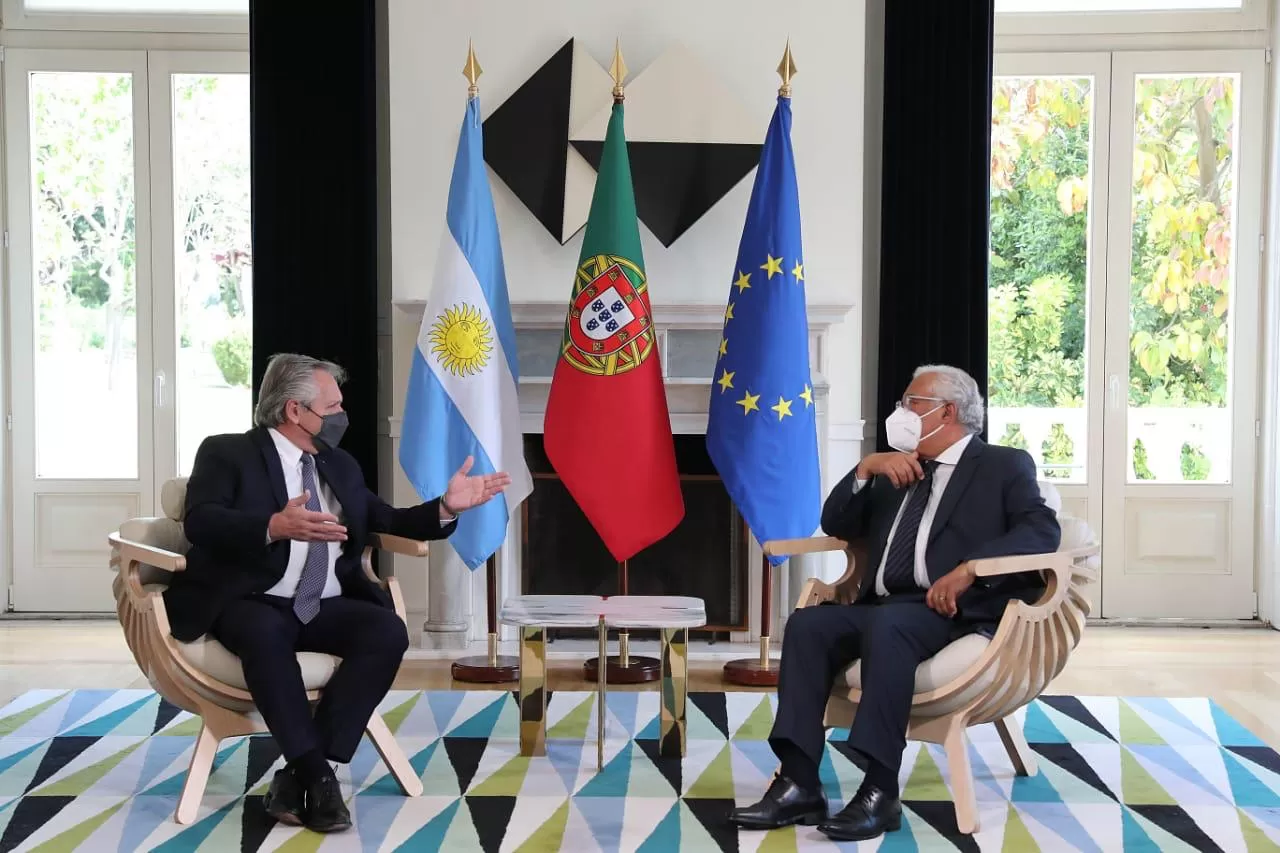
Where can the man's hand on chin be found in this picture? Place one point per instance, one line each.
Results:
(946, 591)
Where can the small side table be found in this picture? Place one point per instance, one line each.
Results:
(672, 615)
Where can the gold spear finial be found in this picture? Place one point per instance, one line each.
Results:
(618, 70)
(787, 70)
(472, 70)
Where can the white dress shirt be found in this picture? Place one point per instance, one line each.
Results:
(291, 461)
(947, 461)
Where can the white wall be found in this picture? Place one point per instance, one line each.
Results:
(742, 41)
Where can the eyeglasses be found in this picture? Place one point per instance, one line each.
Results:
(909, 399)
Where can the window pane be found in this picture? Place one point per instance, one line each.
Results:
(212, 254)
(1184, 170)
(86, 366)
(144, 7)
(1053, 6)
(1040, 150)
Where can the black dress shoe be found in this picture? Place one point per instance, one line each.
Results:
(784, 804)
(285, 798)
(326, 812)
(870, 814)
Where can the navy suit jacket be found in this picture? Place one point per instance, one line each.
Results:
(991, 508)
(236, 485)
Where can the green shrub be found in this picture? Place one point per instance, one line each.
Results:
(233, 355)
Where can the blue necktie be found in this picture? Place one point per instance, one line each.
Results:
(315, 571)
(900, 564)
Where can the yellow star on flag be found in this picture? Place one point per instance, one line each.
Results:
(783, 408)
(807, 396)
(771, 266)
(743, 282)
(748, 402)
(725, 381)
(724, 346)
(798, 272)
(728, 312)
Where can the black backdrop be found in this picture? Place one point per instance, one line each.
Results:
(935, 203)
(314, 184)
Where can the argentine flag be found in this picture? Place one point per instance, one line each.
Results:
(461, 399)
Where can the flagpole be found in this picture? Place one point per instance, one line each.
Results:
(491, 668)
(762, 671)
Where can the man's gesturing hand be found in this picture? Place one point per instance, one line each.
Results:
(295, 521)
(902, 469)
(466, 492)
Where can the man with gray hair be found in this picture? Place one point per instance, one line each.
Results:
(278, 518)
(941, 499)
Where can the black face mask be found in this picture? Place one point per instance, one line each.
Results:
(332, 428)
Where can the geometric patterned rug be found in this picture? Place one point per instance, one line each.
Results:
(100, 770)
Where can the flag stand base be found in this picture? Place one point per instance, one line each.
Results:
(492, 668)
(753, 672)
(624, 667)
(761, 671)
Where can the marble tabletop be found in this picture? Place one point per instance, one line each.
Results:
(619, 611)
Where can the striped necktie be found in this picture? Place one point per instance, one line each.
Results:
(900, 564)
(315, 571)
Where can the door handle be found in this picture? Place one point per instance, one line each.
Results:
(159, 388)
(1114, 388)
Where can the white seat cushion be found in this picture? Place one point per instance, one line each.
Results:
(208, 655)
(938, 671)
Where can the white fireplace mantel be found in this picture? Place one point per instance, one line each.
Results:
(456, 610)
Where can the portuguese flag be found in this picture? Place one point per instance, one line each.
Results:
(607, 430)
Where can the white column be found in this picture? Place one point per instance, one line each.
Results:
(448, 600)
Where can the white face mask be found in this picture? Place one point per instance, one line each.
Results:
(902, 428)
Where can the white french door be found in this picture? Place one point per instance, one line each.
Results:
(128, 211)
(1126, 227)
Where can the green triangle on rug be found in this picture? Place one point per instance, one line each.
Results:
(1255, 839)
(549, 836)
(506, 781)
(781, 841)
(183, 727)
(574, 725)
(79, 783)
(1140, 787)
(1017, 838)
(13, 722)
(758, 724)
(396, 716)
(716, 782)
(925, 781)
(1134, 729)
(72, 838)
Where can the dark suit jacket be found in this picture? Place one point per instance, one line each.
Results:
(236, 485)
(991, 508)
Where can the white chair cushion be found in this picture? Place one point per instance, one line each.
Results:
(163, 533)
(938, 671)
(173, 498)
(1052, 497)
(208, 655)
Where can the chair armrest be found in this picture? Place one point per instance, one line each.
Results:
(399, 545)
(137, 552)
(995, 566)
(815, 545)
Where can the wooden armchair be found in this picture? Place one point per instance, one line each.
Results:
(202, 677)
(976, 680)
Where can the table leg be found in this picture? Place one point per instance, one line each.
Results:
(533, 690)
(675, 691)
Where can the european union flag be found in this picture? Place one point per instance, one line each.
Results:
(762, 434)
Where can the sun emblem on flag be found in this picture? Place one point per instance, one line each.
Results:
(609, 329)
(462, 340)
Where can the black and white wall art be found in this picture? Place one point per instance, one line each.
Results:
(689, 139)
